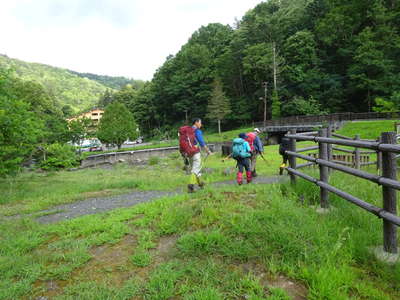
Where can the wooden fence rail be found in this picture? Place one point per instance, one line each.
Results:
(331, 118)
(385, 147)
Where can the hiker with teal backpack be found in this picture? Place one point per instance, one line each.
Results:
(241, 152)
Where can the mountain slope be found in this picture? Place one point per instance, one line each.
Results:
(113, 82)
(66, 86)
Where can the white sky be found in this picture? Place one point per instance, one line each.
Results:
(128, 38)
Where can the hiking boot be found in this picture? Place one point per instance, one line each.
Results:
(248, 177)
(239, 178)
(190, 188)
(254, 173)
(202, 184)
(281, 168)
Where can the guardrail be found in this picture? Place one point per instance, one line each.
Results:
(386, 148)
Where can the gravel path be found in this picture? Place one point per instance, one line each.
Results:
(97, 205)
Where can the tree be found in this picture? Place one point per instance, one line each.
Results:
(20, 131)
(78, 129)
(219, 105)
(300, 106)
(20, 128)
(105, 99)
(117, 125)
(276, 105)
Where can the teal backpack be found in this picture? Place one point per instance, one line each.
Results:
(238, 149)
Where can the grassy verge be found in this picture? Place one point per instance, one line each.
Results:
(367, 129)
(253, 242)
(31, 192)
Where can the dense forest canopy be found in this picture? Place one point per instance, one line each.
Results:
(316, 56)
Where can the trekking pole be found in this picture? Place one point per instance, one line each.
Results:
(228, 157)
(262, 156)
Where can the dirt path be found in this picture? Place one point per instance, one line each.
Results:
(98, 205)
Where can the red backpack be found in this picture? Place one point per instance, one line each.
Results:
(250, 139)
(187, 141)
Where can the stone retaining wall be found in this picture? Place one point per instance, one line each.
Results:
(136, 156)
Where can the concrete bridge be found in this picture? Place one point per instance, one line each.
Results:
(274, 134)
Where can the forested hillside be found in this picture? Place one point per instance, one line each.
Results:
(316, 57)
(112, 82)
(79, 91)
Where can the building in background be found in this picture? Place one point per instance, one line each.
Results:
(94, 115)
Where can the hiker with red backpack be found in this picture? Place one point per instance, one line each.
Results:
(190, 141)
(256, 147)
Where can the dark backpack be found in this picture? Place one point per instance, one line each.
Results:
(284, 145)
(238, 149)
(187, 141)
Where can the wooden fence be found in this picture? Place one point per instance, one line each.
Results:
(331, 118)
(386, 149)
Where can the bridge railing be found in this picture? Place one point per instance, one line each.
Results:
(386, 148)
(336, 117)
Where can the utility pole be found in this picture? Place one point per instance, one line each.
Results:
(265, 102)
(274, 63)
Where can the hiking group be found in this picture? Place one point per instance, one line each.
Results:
(245, 150)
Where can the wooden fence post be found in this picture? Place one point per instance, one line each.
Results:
(389, 170)
(330, 151)
(357, 163)
(379, 158)
(323, 171)
(292, 159)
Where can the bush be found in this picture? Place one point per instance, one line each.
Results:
(300, 106)
(58, 156)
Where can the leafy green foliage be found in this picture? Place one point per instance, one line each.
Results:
(301, 106)
(65, 87)
(275, 106)
(219, 105)
(20, 127)
(58, 156)
(117, 125)
(111, 82)
(338, 55)
(20, 130)
(79, 129)
(382, 105)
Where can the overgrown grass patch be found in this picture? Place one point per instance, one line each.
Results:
(231, 242)
(367, 129)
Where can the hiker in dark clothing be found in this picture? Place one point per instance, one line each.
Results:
(283, 146)
(241, 152)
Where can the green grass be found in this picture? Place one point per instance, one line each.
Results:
(32, 192)
(225, 242)
(367, 129)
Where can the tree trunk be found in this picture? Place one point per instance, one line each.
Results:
(219, 127)
(265, 103)
(119, 146)
(265, 111)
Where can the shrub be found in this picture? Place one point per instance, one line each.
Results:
(58, 156)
